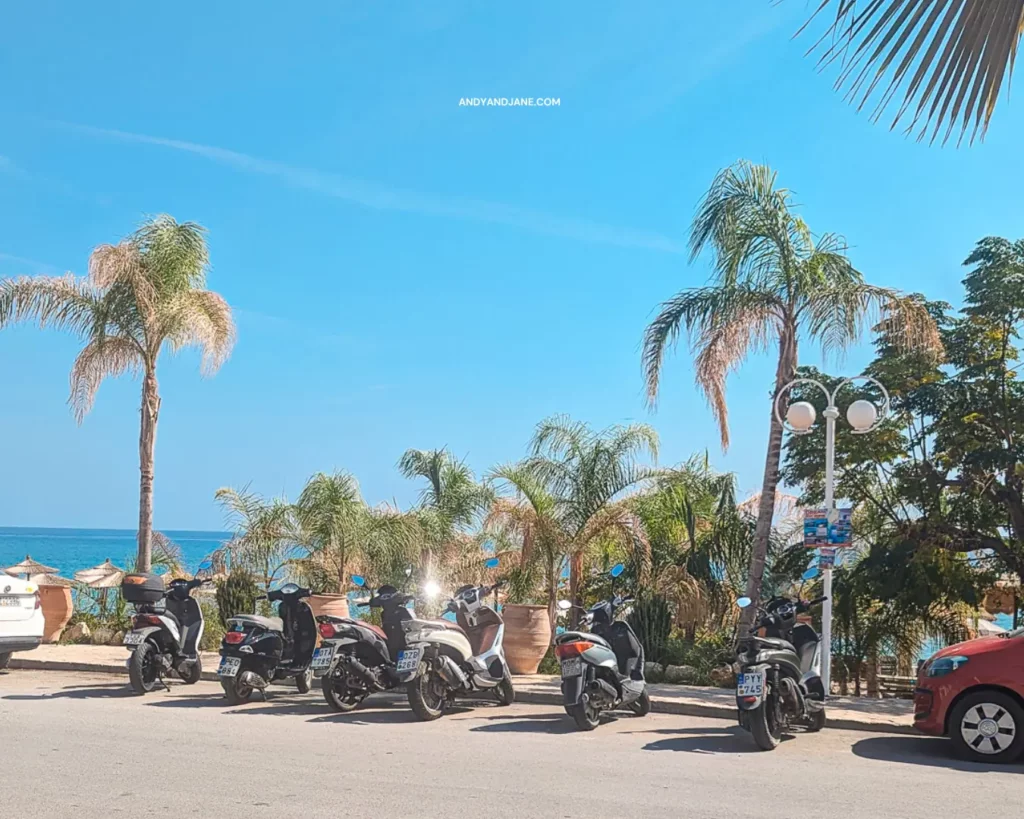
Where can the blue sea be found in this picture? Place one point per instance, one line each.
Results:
(71, 550)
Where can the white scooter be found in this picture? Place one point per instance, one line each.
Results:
(445, 659)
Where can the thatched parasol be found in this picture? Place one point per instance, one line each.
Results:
(98, 577)
(50, 580)
(29, 567)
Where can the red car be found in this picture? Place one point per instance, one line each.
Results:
(973, 693)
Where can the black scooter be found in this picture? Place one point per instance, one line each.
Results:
(602, 664)
(166, 630)
(779, 682)
(363, 656)
(257, 651)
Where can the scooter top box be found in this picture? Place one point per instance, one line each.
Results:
(143, 588)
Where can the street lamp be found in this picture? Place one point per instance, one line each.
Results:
(863, 416)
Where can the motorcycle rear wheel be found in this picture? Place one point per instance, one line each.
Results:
(426, 695)
(304, 681)
(235, 692)
(816, 721)
(764, 726)
(504, 691)
(142, 668)
(585, 717)
(339, 696)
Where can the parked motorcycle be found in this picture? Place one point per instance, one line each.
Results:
(444, 659)
(779, 682)
(257, 651)
(166, 630)
(361, 658)
(602, 664)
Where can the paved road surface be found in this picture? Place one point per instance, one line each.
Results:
(87, 747)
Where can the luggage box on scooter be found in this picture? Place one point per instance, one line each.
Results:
(143, 588)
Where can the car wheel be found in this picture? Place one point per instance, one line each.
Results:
(987, 726)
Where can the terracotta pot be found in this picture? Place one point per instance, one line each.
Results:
(57, 609)
(527, 636)
(333, 605)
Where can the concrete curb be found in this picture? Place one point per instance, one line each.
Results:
(658, 705)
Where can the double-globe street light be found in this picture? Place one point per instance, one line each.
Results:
(863, 417)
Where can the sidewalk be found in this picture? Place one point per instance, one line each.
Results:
(886, 716)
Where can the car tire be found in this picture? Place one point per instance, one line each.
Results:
(987, 726)
(5, 660)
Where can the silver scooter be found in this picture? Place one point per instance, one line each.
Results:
(603, 667)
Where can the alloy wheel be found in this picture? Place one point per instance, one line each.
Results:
(988, 728)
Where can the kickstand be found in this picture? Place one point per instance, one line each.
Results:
(160, 679)
(263, 693)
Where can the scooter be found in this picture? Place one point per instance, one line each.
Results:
(361, 658)
(445, 659)
(166, 630)
(779, 681)
(257, 651)
(602, 665)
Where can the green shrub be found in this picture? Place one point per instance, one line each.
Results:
(236, 595)
(550, 664)
(213, 629)
(651, 620)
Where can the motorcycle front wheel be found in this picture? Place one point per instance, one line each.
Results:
(304, 681)
(641, 706)
(764, 724)
(142, 668)
(195, 673)
(339, 696)
(427, 695)
(504, 691)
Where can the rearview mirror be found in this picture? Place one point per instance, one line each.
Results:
(359, 580)
(810, 574)
(564, 605)
(617, 569)
(743, 602)
(493, 563)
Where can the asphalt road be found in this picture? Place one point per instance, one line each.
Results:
(77, 745)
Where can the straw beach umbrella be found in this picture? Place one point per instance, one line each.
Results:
(50, 580)
(29, 567)
(97, 573)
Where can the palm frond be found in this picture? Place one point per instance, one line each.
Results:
(199, 318)
(102, 357)
(60, 302)
(946, 58)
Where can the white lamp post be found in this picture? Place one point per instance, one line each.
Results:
(863, 417)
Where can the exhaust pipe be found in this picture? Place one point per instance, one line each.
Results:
(364, 673)
(602, 691)
(451, 673)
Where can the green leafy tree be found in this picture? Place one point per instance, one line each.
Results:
(774, 283)
(143, 295)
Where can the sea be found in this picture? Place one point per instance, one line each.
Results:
(71, 550)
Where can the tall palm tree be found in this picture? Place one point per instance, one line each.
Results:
(773, 284)
(266, 535)
(141, 295)
(950, 57)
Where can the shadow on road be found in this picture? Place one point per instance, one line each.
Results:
(703, 740)
(930, 751)
(527, 723)
(80, 692)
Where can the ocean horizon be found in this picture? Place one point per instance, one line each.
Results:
(70, 550)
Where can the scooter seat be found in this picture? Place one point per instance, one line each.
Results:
(269, 623)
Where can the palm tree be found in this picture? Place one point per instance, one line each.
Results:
(774, 283)
(140, 295)
(266, 534)
(341, 531)
(450, 505)
(950, 57)
(586, 474)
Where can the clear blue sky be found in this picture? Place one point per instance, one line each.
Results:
(408, 272)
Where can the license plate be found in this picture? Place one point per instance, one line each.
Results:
(229, 667)
(322, 657)
(408, 660)
(133, 638)
(10, 601)
(750, 684)
(572, 667)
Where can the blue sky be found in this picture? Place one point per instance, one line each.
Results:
(412, 273)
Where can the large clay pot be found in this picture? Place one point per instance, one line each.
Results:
(527, 636)
(57, 609)
(333, 605)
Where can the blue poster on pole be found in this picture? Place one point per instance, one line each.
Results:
(819, 532)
